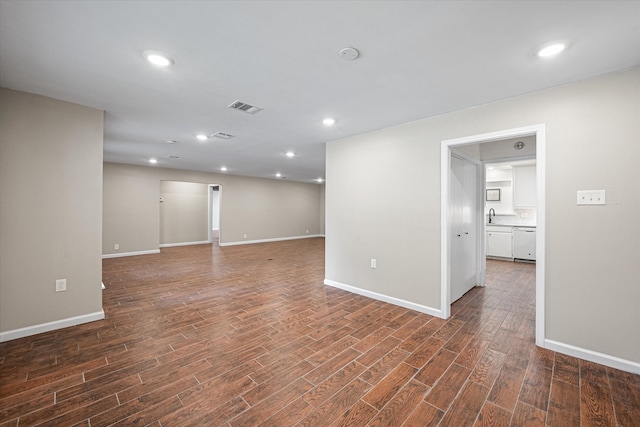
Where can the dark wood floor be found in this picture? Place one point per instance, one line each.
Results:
(249, 335)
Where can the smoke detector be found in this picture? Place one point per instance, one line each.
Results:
(349, 53)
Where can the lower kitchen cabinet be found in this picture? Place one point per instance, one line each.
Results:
(499, 242)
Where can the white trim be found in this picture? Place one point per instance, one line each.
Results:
(123, 254)
(445, 287)
(541, 227)
(50, 326)
(102, 286)
(445, 165)
(170, 245)
(386, 298)
(276, 239)
(593, 356)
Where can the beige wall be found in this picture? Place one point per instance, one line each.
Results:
(184, 212)
(262, 209)
(593, 142)
(50, 210)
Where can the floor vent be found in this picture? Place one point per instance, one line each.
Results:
(247, 108)
(223, 135)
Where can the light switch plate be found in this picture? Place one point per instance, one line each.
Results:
(591, 197)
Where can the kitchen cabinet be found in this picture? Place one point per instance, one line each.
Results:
(499, 242)
(524, 243)
(524, 187)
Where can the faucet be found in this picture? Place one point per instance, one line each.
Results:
(491, 211)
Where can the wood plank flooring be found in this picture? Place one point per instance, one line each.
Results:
(249, 336)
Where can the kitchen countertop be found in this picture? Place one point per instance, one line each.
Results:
(529, 225)
(510, 221)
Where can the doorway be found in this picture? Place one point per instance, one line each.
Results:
(214, 213)
(449, 234)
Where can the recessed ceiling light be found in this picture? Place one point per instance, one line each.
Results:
(202, 137)
(170, 141)
(158, 59)
(153, 161)
(278, 175)
(290, 154)
(551, 50)
(223, 169)
(329, 121)
(319, 180)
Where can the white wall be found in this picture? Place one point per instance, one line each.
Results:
(51, 159)
(501, 179)
(593, 129)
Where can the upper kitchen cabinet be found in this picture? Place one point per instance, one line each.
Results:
(524, 186)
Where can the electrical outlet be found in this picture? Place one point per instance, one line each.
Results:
(374, 263)
(116, 246)
(307, 231)
(244, 235)
(591, 197)
(61, 285)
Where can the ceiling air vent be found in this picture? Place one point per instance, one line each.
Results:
(247, 108)
(223, 135)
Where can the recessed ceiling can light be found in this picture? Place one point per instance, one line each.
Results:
(278, 175)
(551, 50)
(202, 137)
(223, 168)
(153, 161)
(170, 141)
(329, 121)
(319, 180)
(158, 59)
(290, 154)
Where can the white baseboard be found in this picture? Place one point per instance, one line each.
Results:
(50, 326)
(386, 298)
(593, 356)
(122, 254)
(169, 245)
(277, 239)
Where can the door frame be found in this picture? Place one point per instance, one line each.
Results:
(445, 169)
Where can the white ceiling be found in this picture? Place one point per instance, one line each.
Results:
(417, 59)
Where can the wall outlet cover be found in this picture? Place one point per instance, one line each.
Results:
(591, 197)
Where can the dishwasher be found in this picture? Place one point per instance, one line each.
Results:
(524, 243)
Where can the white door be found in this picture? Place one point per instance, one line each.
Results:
(463, 227)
